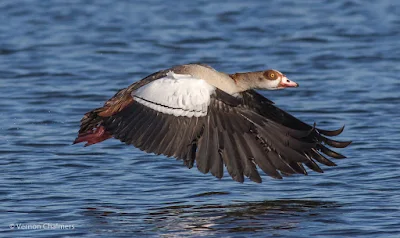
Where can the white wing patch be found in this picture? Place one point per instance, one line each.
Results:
(176, 94)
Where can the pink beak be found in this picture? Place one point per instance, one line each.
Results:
(286, 83)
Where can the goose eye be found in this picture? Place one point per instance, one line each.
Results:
(270, 75)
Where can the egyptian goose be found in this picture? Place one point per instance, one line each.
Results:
(195, 113)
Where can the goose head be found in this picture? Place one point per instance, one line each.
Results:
(273, 79)
(266, 80)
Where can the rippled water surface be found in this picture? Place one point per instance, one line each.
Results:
(59, 59)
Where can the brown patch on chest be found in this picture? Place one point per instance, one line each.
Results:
(235, 77)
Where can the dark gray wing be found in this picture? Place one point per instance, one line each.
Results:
(210, 141)
(231, 134)
(265, 107)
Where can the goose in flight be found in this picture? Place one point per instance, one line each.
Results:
(201, 116)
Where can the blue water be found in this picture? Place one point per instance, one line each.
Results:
(59, 59)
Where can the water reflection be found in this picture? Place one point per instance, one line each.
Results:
(271, 216)
(239, 217)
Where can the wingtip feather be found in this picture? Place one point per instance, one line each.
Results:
(331, 132)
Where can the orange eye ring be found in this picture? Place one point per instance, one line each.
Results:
(270, 74)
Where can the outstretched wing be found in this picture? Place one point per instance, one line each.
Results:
(183, 117)
(266, 108)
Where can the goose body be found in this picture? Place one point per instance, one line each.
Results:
(199, 115)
